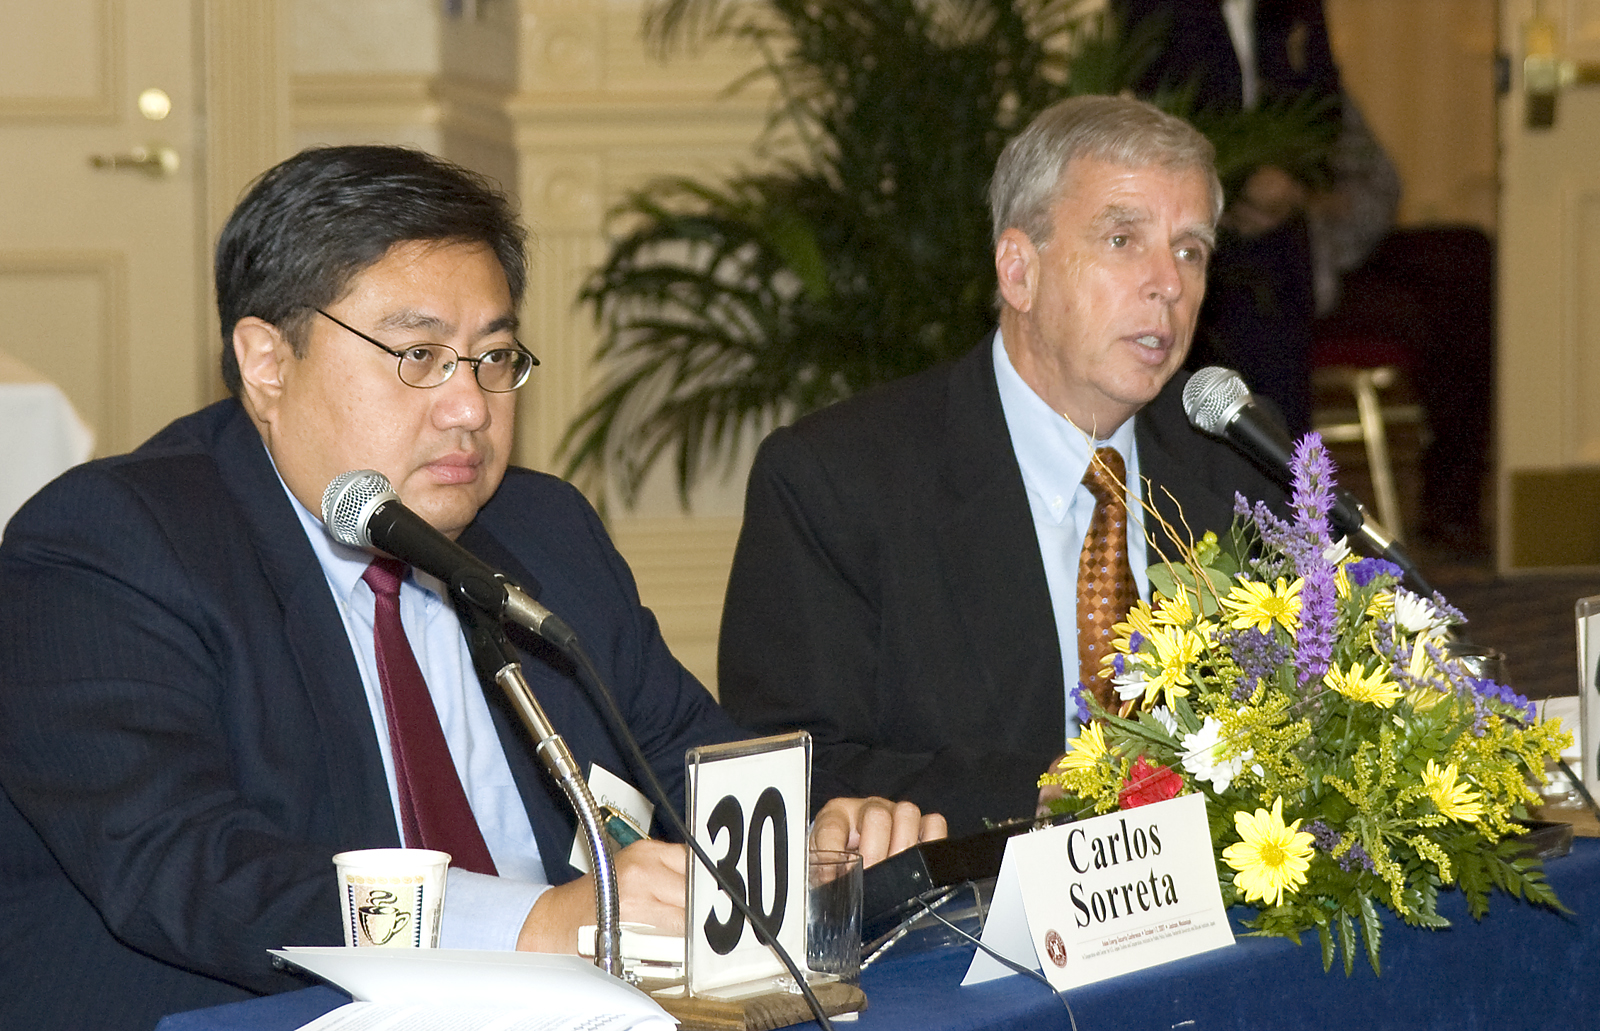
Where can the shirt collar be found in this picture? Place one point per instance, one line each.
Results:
(342, 564)
(1052, 452)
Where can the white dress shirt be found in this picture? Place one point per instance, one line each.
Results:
(1241, 18)
(1054, 454)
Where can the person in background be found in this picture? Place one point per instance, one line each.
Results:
(203, 697)
(1283, 243)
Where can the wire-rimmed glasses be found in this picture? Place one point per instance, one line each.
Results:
(499, 371)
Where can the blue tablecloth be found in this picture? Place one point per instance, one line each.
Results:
(1521, 967)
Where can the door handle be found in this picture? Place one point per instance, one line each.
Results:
(1545, 72)
(157, 160)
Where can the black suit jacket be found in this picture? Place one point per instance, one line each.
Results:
(184, 738)
(888, 593)
(1192, 47)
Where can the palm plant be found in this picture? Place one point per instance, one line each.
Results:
(726, 309)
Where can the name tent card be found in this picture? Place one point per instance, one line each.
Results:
(749, 803)
(611, 791)
(1106, 896)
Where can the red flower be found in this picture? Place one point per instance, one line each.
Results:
(1147, 784)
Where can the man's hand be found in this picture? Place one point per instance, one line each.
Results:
(1269, 197)
(875, 827)
(1050, 792)
(650, 879)
(651, 874)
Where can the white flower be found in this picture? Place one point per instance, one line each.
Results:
(1164, 717)
(1417, 614)
(1338, 551)
(1202, 761)
(1130, 685)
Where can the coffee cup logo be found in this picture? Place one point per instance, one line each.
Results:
(381, 920)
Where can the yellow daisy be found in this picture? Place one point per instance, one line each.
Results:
(1176, 651)
(1358, 685)
(1174, 611)
(1421, 663)
(1139, 619)
(1421, 667)
(1255, 604)
(1452, 795)
(1087, 750)
(1272, 858)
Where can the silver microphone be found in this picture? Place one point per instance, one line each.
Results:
(1218, 402)
(361, 509)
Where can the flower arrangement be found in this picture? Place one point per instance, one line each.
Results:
(1347, 759)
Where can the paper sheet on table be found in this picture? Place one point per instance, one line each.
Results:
(465, 990)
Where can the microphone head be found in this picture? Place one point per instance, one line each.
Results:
(1213, 396)
(350, 500)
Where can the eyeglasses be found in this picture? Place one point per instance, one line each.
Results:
(499, 371)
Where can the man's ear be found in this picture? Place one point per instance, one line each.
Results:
(262, 352)
(1016, 265)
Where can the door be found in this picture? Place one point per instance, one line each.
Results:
(102, 268)
(1548, 375)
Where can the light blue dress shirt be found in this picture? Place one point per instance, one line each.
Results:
(480, 911)
(1054, 454)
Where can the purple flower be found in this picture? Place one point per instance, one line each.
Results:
(1135, 641)
(1356, 856)
(1319, 614)
(1488, 689)
(1258, 655)
(1448, 611)
(1363, 571)
(1276, 534)
(1079, 696)
(1311, 495)
(1323, 836)
(1327, 839)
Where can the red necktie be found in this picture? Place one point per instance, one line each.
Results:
(1105, 579)
(434, 812)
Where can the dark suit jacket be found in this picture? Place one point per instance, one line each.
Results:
(1192, 46)
(888, 593)
(184, 739)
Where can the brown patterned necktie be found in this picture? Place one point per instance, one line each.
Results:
(1105, 579)
(434, 811)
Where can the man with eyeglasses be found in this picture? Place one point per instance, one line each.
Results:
(195, 707)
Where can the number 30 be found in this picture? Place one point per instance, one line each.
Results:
(728, 815)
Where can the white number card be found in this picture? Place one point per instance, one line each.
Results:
(748, 803)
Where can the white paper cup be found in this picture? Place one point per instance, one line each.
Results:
(392, 897)
(833, 914)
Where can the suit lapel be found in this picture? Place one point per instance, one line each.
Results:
(1168, 474)
(315, 634)
(988, 545)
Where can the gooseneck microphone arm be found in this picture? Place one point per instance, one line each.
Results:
(495, 658)
(1218, 403)
(360, 509)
